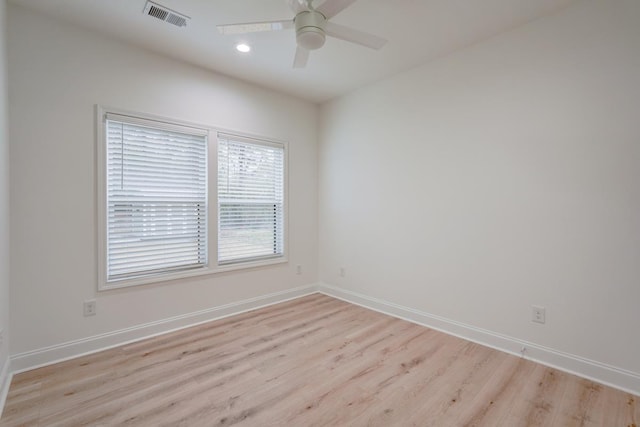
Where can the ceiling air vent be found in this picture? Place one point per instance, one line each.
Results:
(165, 14)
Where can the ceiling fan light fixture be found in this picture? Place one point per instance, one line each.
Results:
(310, 29)
(310, 38)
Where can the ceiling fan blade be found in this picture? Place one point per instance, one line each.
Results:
(297, 6)
(254, 27)
(354, 36)
(331, 8)
(302, 56)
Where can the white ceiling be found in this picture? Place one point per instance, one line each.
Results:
(418, 31)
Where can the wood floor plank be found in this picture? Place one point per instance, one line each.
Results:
(539, 397)
(313, 361)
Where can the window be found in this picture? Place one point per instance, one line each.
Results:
(156, 198)
(250, 199)
(178, 200)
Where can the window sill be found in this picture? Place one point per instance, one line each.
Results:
(160, 278)
(250, 264)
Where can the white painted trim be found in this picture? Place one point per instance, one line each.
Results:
(5, 382)
(608, 375)
(69, 350)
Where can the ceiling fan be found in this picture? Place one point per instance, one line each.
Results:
(312, 25)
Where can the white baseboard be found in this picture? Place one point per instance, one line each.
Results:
(600, 372)
(5, 382)
(609, 375)
(69, 350)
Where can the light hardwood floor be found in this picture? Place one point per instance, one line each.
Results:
(314, 361)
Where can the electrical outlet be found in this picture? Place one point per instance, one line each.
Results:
(89, 308)
(538, 314)
(1, 337)
(343, 272)
(298, 269)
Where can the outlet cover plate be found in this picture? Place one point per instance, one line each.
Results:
(538, 314)
(89, 308)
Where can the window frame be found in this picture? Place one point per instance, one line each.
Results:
(212, 267)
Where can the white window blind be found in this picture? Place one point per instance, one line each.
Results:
(250, 199)
(156, 203)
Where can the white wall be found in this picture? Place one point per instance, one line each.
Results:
(4, 199)
(57, 73)
(501, 176)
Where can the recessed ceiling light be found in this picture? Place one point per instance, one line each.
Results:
(244, 48)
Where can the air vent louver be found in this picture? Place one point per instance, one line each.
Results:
(165, 14)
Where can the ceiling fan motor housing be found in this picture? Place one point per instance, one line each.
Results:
(310, 29)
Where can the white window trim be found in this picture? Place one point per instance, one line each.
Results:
(212, 213)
